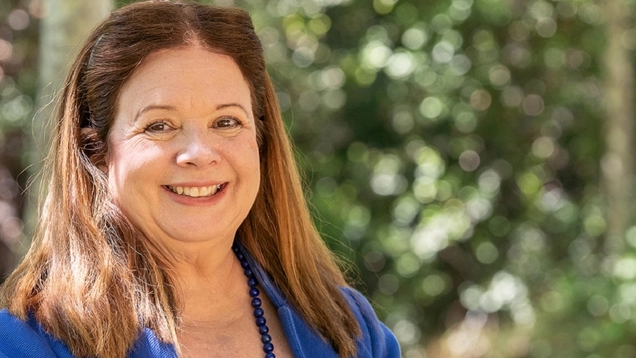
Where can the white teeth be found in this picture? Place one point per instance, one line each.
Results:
(196, 192)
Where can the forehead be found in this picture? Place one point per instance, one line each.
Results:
(180, 76)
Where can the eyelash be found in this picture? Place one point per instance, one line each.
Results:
(237, 122)
(149, 127)
(152, 127)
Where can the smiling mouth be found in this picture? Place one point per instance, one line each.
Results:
(196, 192)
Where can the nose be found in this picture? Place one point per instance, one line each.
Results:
(197, 149)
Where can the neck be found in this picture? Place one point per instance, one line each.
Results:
(209, 281)
(231, 331)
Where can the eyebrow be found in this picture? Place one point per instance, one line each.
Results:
(221, 106)
(173, 108)
(154, 107)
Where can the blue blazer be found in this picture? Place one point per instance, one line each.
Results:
(20, 339)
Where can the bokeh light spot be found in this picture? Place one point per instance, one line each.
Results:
(480, 100)
(388, 284)
(486, 253)
(431, 107)
(512, 96)
(499, 75)
(433, 285)
(546, 27)
(533, 105)
(6, 49)
(469, 160)
(443, 52)
(415, 38)
(18, 19)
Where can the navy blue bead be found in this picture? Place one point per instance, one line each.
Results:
(266, 338)
(268, 348)
(259, 312)
(261, 322)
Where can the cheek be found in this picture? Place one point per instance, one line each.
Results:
(244, 158)
(252, 154)
(131, 165)
(242, 150)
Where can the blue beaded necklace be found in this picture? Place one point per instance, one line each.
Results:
(261, 322)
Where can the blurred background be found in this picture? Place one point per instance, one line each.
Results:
(472, 159)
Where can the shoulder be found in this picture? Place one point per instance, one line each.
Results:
(19, 338)
(376, 340)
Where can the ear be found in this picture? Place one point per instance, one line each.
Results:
(87, 132)
(94, 148)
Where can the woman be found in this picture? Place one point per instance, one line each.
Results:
(175, 223)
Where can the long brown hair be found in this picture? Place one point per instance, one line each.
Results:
(90, 277)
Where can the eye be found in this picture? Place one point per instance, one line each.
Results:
(227, 123)
(157, 127)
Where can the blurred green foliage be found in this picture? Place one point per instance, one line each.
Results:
(452, 150)
(18, 87)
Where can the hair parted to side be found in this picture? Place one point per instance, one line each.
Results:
(90, 277)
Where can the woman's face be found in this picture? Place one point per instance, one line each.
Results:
(183, 161)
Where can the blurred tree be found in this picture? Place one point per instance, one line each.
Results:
(64, 27)
(454, 145)
(18, 46)
(618, 162)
